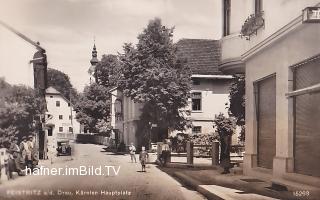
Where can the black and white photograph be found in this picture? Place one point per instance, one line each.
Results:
(159, 99)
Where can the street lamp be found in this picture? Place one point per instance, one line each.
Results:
(152, 125)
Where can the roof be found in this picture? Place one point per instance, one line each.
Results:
(52, 90)
(203, 55)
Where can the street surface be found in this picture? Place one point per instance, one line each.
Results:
(130, 183)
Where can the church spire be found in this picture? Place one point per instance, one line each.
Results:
(94, 61)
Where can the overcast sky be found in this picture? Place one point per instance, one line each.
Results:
(66, 28)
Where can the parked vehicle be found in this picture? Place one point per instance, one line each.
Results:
(64, 148)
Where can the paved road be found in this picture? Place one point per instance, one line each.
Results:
(130, 183)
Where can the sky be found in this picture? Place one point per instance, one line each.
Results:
(67, 28)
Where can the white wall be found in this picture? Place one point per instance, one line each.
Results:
(215, 96)
(64, 110)
(298, 45)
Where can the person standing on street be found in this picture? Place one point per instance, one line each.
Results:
(29, 158)
(15, 151)
(132, 150)
(225, 154)
(143, 158)
(165, 153)
(23, 149)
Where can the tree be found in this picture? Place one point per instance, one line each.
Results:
(93, 107)
(19, 106)
(224, 126)
(107, 71)
(153, 75)
(237, 102)
(61, 82)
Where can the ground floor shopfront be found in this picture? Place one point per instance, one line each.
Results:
(282, 105)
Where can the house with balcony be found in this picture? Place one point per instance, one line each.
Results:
(61, 120)
(276, 44)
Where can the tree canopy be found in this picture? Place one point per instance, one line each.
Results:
(224, 126)
(153, 75)
(237, 103)
(93, 108)
(19, 106)
(108, 71)
(61, 82)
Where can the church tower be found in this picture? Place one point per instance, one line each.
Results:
(94, 61)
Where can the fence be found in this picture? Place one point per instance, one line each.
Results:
(205, 154)
(92, 139)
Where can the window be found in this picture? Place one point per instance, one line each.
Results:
(50, 131)
(60, 129)
(70, 117)
(51, 96)
(70, 129)
(57, 103)
(196, 129)
(196, 101)
(226, 17)
(69, 104)
(257, 6)
(60, 116)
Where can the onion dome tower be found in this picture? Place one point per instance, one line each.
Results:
(94, 61)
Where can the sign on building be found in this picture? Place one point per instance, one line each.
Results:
(311, 15)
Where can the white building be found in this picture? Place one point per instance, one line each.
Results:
(62, 123)
(210, 88)
(125, 115)
(280, 54)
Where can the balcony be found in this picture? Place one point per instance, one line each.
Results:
(232, 48)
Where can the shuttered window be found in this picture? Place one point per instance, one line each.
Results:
(307, 119)
(266, 118)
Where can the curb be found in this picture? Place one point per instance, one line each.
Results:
(196, 185)
(186, 166)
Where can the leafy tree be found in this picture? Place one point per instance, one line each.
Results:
(224, 126)
(153, 75)
(19, 106)
(237, 102)
(61, 82)
(93, 107)
(107, 71)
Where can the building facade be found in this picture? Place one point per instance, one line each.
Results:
(61, 120)
(210, 87)
(125, 115)
(276, 44)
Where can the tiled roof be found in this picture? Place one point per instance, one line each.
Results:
(203, 56)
